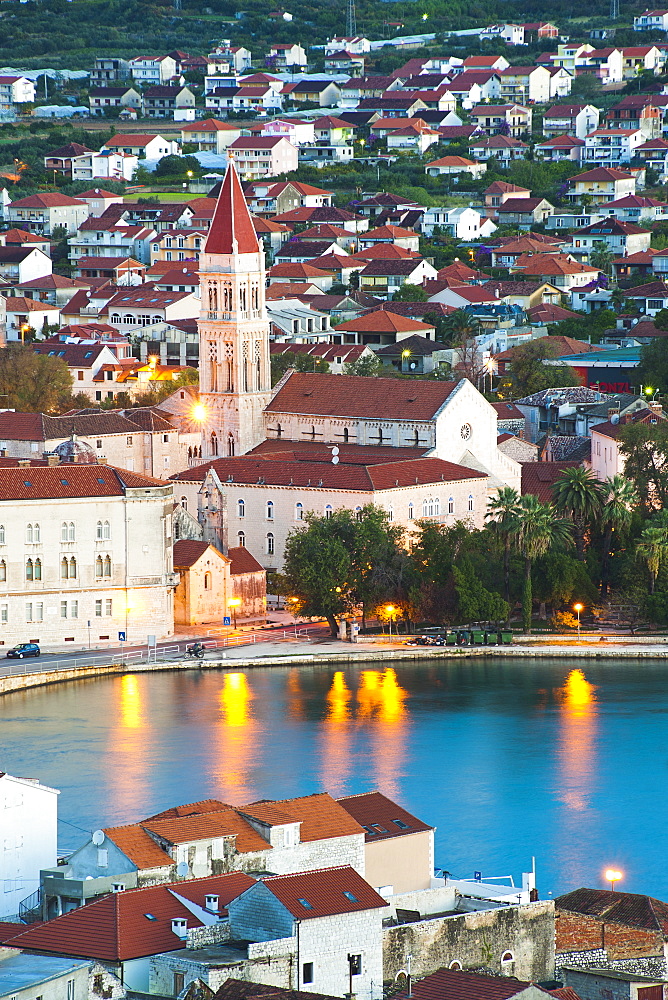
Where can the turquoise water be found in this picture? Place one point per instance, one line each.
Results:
(507, 759)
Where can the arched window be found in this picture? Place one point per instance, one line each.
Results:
(470, 501)
(455, 966)
(270, 510)
(71, 532)
(451, 505)
(98, 566)
(64, 566)
(29, 570)
(214, 443)
(129, 319)
(279, 430)
(241, 508)
(73, 568)
(36, 533)
(184, 503)
(207, 581)
(241, 539)
(107, 565)
(2, 534)
(270, 544)
(410, 512)
(390, 514)
(230, 446)
(507, 957)
(328, 510)
(431, 507)
(299, 512)
(63, 531)
(38, 569)
(115, 318)
(3, 571)
(29, 533)
(106, 530)
(98, 531)
(346, 435)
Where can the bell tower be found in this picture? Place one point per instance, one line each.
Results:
(235, 378)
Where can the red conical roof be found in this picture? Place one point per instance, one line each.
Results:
(232, 229)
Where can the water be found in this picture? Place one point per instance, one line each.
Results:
(507, 758)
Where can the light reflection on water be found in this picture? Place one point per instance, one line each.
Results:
(507, 759)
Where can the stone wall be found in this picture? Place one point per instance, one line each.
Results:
(257, 915)
(474, 940)
(327, 942)
(594, 984)
(201, 937)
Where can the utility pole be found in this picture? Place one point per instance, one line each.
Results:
(351, 20)
(614, 10)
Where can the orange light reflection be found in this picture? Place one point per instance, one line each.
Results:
(127, 751)
(336, 736)
(381, 705)
(236, 739)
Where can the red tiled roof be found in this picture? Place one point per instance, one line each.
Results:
(381, 817)
(448, 984)
(242, 561)
(627, 908)
(47, 199)
(187, 551)
(383, 321)
(538, 478)
(507, 411)
(353, 396)
(203, 826)
(70, 481)
(232, 229)
(326, 891)
(136, 844)
(189, 809)
(130, 924)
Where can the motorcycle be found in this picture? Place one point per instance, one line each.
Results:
(196, 650)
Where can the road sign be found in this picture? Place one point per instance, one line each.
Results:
(477, 876)
(227, 621)
(150, 641)
(121, 636)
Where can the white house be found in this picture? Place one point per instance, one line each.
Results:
(145, 147)
(574, 119)
(29, 829)
(15, 90)
(610, 147)
(651, 20)
(107, 164)
(46, 211)
(463, 223)
(455, 165)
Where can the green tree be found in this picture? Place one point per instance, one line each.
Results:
(602, 257)
(529, 374)
(32, 382)
(579, 495)
(460, 327)
(177, 166)
(369, 366)
(476, 603)
(410, 293)
(503, 515)
(539, 531)
(653, 367)
(645, 447)
(652, 549)
(616, 513)
(300, 362)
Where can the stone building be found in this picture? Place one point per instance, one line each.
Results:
(84, 543)
(203, 592)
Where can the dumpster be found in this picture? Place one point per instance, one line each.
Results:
(477, 637)
(506, 637)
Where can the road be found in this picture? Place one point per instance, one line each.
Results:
(169, 649)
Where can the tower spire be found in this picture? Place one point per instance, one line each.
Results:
(232, 230)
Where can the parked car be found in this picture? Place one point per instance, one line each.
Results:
(23, 649)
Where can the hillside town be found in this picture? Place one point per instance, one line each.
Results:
(369, 334)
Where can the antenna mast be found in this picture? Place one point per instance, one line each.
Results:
(351, 19)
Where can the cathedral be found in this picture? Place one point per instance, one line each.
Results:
(316, 442)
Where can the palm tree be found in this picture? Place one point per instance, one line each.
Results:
(652, 548)
(503, 513)
(461, 327)
(579, 495)
(539, 529)
(616, 514)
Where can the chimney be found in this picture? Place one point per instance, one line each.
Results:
(656, 407)
(212, 903)
(612, 410)
(102, 460)
(180, 928)
(23, 463)
(51, 459)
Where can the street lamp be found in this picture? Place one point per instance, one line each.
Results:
(189, 175)
(612, 876)
(578, 608)
(390, 610)
(405, 355)
(234, 603)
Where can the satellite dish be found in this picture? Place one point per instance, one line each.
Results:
(335, 460)
(335, 450)
(98, 837)
(614, 419)
(182, 869)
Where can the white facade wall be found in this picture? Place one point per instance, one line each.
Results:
(45, 220)
(28, 830)
(256, 527)
(137, 596)
(606, 459)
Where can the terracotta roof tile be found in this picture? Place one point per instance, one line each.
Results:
(448, 984)
(538, 478)
(136, 844)
(226, 822)
(237, 989)
(384, 321)
(232, 229)
(242, 561)
(627, 908)
(353, 396)
(69, 481)
(327, 892)
(191, 809)
(381, 818)
(187, 551)
(320, 815)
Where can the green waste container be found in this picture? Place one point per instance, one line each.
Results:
(506, 638)
(477, 637)
(451, 639)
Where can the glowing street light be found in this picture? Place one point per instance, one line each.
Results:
(390, 609)
(612, 876)
(578, 608)
(234, 603)
(199, 412)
